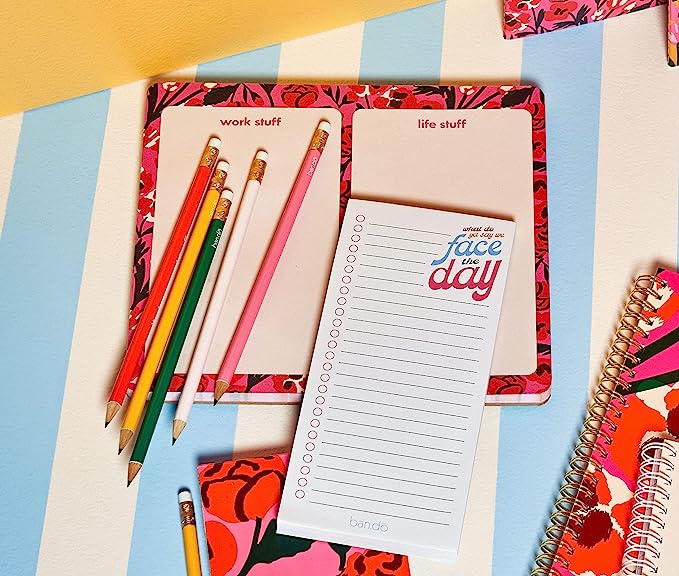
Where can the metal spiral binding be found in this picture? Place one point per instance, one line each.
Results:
(578, 481)
(649, 509)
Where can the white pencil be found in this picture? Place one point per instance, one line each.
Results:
(214, 310)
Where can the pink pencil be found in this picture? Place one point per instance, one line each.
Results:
(273, 255)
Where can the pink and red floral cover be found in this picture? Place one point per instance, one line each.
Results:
(528, 17)
(240, 505)
(347, 99)
(647, 408)
(673, 33)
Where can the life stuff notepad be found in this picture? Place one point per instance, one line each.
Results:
(386, 437)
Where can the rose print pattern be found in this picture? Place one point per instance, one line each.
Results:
(240, 504)
(370, 563)
(347, 99)
(528, 17)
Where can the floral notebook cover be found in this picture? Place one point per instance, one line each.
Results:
(529, 17)
(240, 507)
(646, 407)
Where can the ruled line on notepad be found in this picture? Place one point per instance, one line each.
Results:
(418, 306)
(427, 296)
(393, 429)
(400, 238)
(381, 513)
(418, 318)
(399, 504)
(388, 465)
(411, 350)
(414, 328)
(408, 384)
(409, 361)
(388, 489)
(446, 234)
(425, 341)
(397, 441)
(373, 402)
(392, 269)
(405, 372)
(397, 418)
(390, 393)
(400, 249)
(365, 449)
(389, 280)
(392, 258)
(386, 477)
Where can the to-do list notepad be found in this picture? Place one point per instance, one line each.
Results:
(387, 432)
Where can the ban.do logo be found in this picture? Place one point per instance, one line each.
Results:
(367, 525)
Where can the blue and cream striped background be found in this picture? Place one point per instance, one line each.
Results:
(68, 184)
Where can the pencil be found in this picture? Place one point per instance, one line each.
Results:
(187, 517)
(271, 258)
(217, 298)
(172, 304)
(181, 329)
(161, 281)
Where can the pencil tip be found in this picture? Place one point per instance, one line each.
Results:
(177, 428)
(133, 469)
(120, 450)
(125, 436)
(111, 411)
(220, 388)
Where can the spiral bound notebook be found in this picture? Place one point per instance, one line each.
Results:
(652, 545)
(635, 407)
(385, 443)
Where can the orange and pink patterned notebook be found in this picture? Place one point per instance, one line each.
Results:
(636, 405)
(240, 508)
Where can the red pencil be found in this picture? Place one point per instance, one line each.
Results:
(162, 278)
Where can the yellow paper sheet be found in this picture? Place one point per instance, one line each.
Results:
(56, 50)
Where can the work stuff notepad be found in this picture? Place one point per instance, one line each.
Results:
(386, 437)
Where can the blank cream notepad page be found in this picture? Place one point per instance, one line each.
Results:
(292, 306)
(388, 428)
(472, 161)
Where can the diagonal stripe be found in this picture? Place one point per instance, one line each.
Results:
(328, 57)
(157, 538)
(636, 226)
(404, 47)
(41, 256)
(86, 466)
(535, 443)
(10, 127)
(473, 49)
(259, 65)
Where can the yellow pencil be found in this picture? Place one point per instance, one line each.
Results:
(189, 534)
(136, 405)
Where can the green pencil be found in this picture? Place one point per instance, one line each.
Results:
(178, 337)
